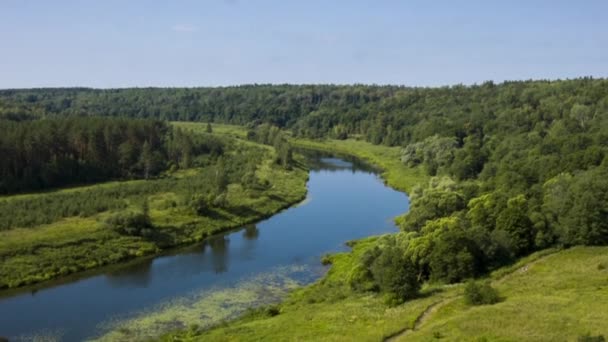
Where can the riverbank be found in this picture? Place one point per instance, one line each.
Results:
(70, 245)
(561, 293)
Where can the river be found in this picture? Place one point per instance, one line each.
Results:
(250, 266)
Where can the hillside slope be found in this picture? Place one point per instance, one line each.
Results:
(557, 298)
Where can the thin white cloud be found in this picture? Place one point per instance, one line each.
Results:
(184, 28)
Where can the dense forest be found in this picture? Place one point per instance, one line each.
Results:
(38, 154)
(519, 166)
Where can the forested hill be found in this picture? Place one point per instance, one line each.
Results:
(390, 115)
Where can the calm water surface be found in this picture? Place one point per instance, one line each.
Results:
(345, 201)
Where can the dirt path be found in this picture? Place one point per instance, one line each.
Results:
(431, 309)
(424, 316)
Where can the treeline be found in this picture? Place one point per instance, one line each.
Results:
(40, 154)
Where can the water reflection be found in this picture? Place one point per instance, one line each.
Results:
(219, 253)
(135, 274)
(251, 232)
(319, 160)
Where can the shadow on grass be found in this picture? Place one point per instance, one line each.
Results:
(243, 211)
(276, 198)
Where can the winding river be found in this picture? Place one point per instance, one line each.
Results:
(215, 280)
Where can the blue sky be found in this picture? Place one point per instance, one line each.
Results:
(112, 43)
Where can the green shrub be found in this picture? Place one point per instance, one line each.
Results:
(476, 293)
(361, 279)
(396, 275)
(201, 204)
(129, 223)
(326, 260)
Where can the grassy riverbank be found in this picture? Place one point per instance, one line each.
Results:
(545, 297)
(81, 241)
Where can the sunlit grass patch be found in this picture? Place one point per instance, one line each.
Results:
(201, 127)
(558, 297)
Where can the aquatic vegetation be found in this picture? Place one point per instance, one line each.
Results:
(207, 308)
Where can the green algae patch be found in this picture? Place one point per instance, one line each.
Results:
(206, 308)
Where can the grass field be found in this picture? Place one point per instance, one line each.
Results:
(76, 243)
(557, 298)
(230, 130)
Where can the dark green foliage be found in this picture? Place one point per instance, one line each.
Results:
(591, 338)
(272, 135)
(201, 204)
(49, 153)
(576, 207)
(220, 177)
(455, 257)
(395, 275)
(129, 223)
(515, 222)
(40, 154)
(251, 182)
(435, 153)
(326, 260)
(480, 293)
(440, 199)
(261, 312)
(387, 270)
